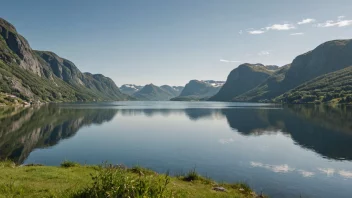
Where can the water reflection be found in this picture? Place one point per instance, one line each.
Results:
(325, 130)
(23, 130)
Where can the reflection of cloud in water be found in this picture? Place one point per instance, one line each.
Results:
(226, 141)
(283, 168)
(305, 173)
(345, 174)
(328, 171)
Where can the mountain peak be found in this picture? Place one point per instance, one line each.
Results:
(7, 25)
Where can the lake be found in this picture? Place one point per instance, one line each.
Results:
(282, 151)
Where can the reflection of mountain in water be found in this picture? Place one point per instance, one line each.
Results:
(325, 130)
(23, 130)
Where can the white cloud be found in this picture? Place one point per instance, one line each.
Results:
(306, 21)
(256, 32)
(240, 32)
(306, 173)
(285, 26)
(339, 23)
(345, 174)
(283, 168)
(297, 34)
(264, 53)
(331, 23)
(229, 61)
(328, 171)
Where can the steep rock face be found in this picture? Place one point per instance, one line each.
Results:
(20, 47)
(62, 68)
(44, 76)
(327, 57)
(244, 78)
(68, 72)
(153, 93)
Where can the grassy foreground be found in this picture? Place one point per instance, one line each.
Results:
(74, 180)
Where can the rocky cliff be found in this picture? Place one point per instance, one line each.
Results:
(44, 76)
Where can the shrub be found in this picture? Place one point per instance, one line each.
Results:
(192, 175)
(117, 182)
(7, 164)
(142, 171)
(68, 164)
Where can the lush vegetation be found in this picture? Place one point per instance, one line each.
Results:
(10, 100)
(333, 87)
(78, 181)
(328, 57)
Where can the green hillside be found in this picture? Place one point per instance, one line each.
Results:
(41, 76)
(328, 57)
(245, 77)
(267, 89)
(331, 87)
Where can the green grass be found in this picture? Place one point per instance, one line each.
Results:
(68, 164)
(106, 181)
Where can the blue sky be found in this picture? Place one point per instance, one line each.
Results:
(172, 42)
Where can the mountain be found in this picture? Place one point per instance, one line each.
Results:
(331, 87)
(272, 67)
(243, 78)
(272, 82)
(173, 90)
(152, 93)
(130, 89)
(328, 57)
(199, 90)
(42, 76)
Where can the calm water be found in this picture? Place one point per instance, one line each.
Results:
(284, 151)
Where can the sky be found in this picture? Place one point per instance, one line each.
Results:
(172, 42)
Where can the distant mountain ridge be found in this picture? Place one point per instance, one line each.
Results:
(130, 89)
(173, 90)
(44, 76)
(152, 92)
(199, 90)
